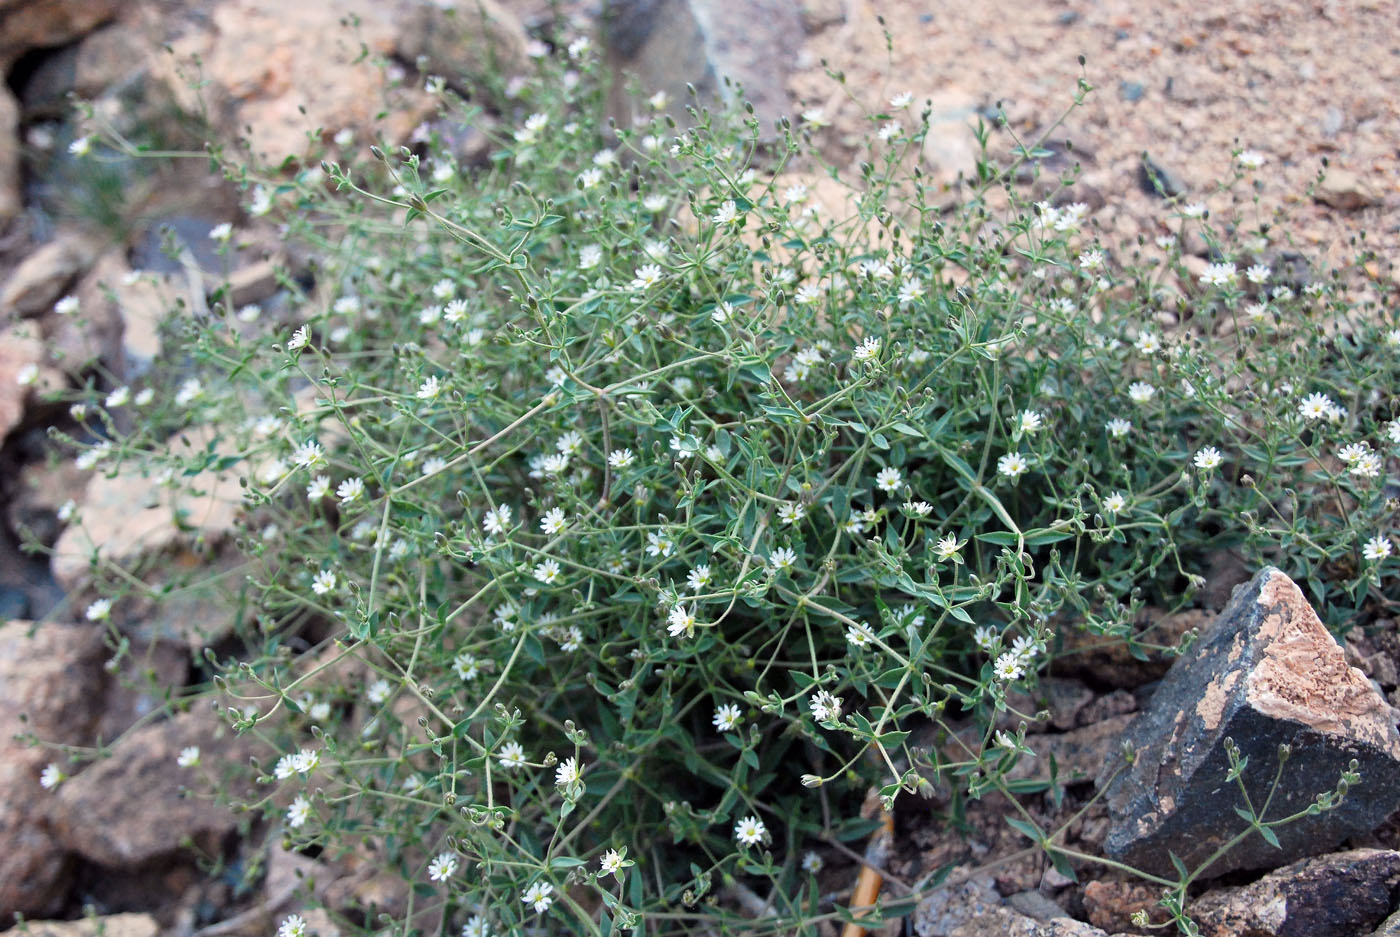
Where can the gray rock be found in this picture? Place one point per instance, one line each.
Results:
(669, 43)
(9, 157)
(25, 24)
(1156, 179)
(1265, 673)
(1339, 895)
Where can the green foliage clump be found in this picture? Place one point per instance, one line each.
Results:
(642, 503)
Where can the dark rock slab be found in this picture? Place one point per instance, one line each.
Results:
(1338, 895)
(1264, 674)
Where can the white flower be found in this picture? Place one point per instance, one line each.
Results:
(1115, 502)
(1031, 421)
(1377, 548)
(795, 194)
(947, 547)
(1091, 259)
(309, 455)
(298, 340)
(553, 521)
(51, 776)
(442, 867)
(568, 772)
(28, 374)
(698, 578)
(319, 487)
(888, 480)
(1118, 427)
(1208, 457)
(1194, 210)
(612, 862)
(352, 489)
(590, 177)
(298, 812)
(547, 572)
(1258, 273)
(866, 350)
(890, 130)
(466, 666)
(722, 313)
(728, 213)
(189, 391)
(430, 388)
(1368, 466)
(900, 101)
(293, 925)
(811, 862)
(859, 635)
(750, 831)
(782, 558)
(681, 621)
(1315, 407)
(188, 757)
(621, 458)
(985, 638)
(1218, 274)
(824, 706)
(100, 610)
(1140, 392)
(791, 512)
(539, 896)
(910, 291)
(323, 582)
(511, 756)
(476, 926)
(659, 543)
(1008, 667)
(1251, 159)
(1147, 343)
(81, 146)
(496, 519)
(377, 692)
(919, 508)
(1013, 465)
(646, 276)
(221, 232)
(815, 117)
(727, 717)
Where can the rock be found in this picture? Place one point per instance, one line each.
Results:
(950, 150)
(10, 202)
(39, 492)
(950, 906)
(669, 43)
(1111, 905)
(1109, 662)
(21, 351)
(42, 277)
(92, 335)
(1005, 922)
(272, 70)
(1390, 927)
(1117, 703)
(47, 683)
(138, 687)
(470, 41)
(1346, 191)
(107, 57)
(141, 303)
(1157, 180)
(30, 24)
(1131, 90)
(1338, 895)
(112, 925)
(129, 516)
(1034, 904)
(253, 283)
(821, 14)
(105, 812)
(1265, 673)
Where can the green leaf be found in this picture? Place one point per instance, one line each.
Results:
(1028, 829)
(1269, 837)
(565, 862)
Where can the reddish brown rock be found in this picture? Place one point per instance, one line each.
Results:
(47, 683)
(29, 24)
(42, 277)
(112, 925)
(1265, 674)
(107, 812)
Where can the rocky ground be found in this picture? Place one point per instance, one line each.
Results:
(1298, 82)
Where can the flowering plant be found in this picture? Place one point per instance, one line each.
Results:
(702, 478)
